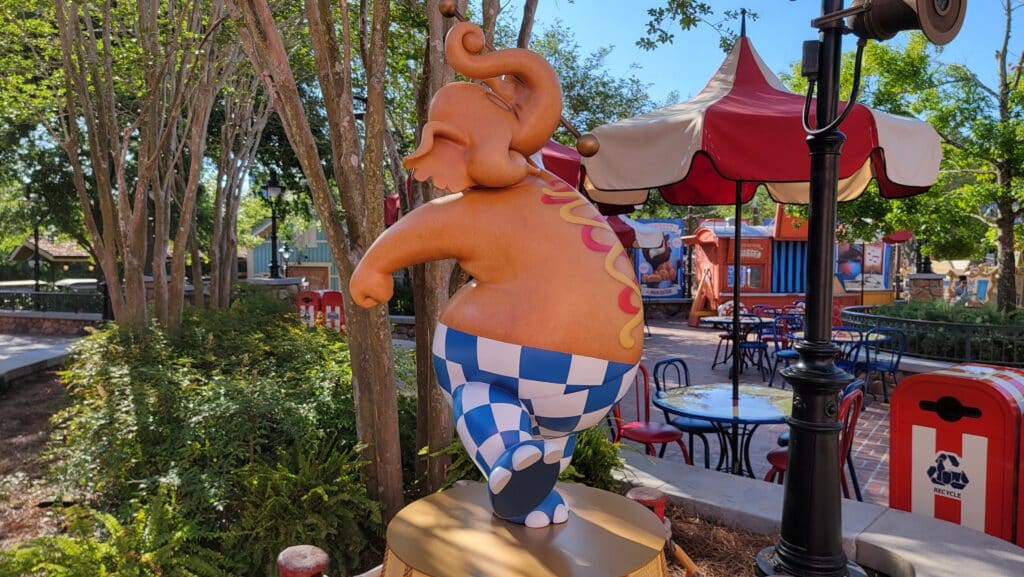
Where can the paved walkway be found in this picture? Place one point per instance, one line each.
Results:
(21, 355)
(673, 338)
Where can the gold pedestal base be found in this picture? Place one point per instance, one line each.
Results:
(454, 534)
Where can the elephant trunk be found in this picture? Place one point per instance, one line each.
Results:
(533, 91)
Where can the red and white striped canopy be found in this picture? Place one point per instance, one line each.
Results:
(744, 126)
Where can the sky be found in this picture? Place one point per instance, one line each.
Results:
(782, 25)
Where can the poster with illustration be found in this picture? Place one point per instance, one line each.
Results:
(661, 270)
(864, 265)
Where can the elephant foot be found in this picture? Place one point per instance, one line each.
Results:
(522, 477)
(551, 511)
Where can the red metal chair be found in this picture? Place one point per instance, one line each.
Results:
(643, 430)
(849, 412)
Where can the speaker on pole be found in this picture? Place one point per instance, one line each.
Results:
(940, 20)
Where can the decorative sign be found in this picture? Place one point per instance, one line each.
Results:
(750, 251)
(660, 270)
(864, 264)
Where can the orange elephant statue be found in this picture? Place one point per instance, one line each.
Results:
(547, 336)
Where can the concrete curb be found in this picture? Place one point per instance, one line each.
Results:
(7, 378)
(895, 542)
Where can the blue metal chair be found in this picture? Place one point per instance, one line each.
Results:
(783, 352)
(883, 351)
(846, 346)
(756, 349)
(671, 374)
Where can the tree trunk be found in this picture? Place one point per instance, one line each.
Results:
(198, 295)
(430, 285)
(359, 178)
(491, 9)
(526, 27)
(1006, 297)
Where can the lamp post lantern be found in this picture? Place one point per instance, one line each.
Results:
(272, 193)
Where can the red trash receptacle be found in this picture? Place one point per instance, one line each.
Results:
(309, 305)
(953, 451)
(333, 304)
(1020, 488)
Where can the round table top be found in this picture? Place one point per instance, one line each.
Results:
(455, 533)
(727, 319)
(756, 405)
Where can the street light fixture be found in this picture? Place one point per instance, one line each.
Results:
(810, 539)
(272, 192)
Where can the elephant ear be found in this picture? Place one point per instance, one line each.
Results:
(443, 156)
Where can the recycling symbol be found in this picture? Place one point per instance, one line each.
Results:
(946, 472)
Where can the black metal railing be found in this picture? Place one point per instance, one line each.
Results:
(45, 301)
(953, 342)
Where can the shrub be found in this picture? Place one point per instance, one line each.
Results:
(207, 451)
(940, 311)
(240, 406)
(156, 541)
(312, 494)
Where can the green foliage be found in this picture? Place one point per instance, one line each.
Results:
(957, 333)
(245, 413)
(594, 462)
(987, 314)
(687, 14)
(156, 541)
(313, 494)
(591, 94)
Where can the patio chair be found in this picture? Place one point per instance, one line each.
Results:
(643, 430)
(783, 351)
(756, 349)
(840, 338)
(671, 374)
(724, 347)
(883, 351)
(849, 411)
(854, 385)
(766, 311)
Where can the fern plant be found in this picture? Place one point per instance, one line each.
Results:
(313, 494)
(156, 542)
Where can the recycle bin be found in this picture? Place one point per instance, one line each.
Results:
(1020, 488)
(309, 305)
(954, 446)
(333, 306)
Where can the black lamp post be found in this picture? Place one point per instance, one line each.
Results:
(810, 542)
(33, 200)
(272, 193)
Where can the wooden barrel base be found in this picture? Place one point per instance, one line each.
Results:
(454, 534)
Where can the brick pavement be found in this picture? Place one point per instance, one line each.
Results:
(673, 338)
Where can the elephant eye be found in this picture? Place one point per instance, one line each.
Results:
(501, 103)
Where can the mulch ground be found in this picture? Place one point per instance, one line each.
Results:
(25, 410)
(719, 551)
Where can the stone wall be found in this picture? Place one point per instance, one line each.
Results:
(47, 323)
(925, 287)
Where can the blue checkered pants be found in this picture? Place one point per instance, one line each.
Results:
(503, 394)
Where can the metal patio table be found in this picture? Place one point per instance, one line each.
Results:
(756, 406)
